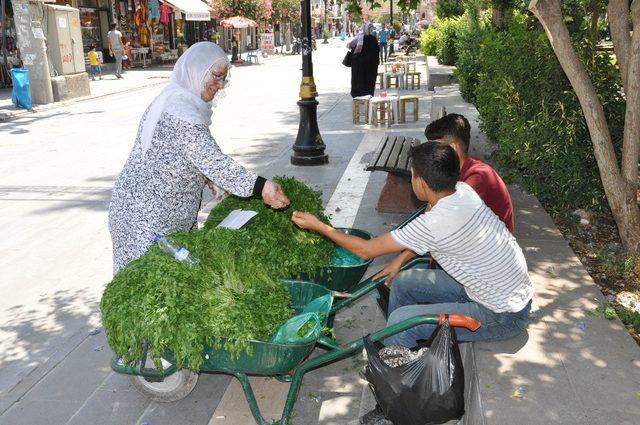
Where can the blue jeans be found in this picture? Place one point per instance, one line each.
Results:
(425, 291)
(384, 53)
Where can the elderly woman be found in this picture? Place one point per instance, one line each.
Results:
(174, 156)
(364, 66)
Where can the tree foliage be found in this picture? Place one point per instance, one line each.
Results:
(258, 10)
(449, 8)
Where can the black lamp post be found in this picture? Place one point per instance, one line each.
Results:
(309, 147)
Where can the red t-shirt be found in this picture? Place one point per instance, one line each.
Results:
(492, 190)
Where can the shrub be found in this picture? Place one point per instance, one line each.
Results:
(528, 107)
(469, 41)
(440, 39)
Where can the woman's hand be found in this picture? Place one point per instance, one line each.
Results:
(391, 269)
(273, 195)
(212, 187)
(306, 221)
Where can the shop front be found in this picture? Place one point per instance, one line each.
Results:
(9, 56)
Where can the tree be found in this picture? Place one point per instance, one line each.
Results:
(258, 10)
(449, 8)
(501, 12)
(286, 10)
(619, 178)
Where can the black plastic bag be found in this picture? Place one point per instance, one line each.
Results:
(428, 390)
(348, 59)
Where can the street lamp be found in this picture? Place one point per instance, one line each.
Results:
(308, 148)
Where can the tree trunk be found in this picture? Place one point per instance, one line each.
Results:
(595, 16)
(618, 16)
(621, 195)
(631, 141)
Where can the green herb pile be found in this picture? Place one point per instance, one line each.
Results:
(232, 297)
(271, 237)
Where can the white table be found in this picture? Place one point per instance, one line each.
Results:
(399, 74)
(394, 107)
(139, 53)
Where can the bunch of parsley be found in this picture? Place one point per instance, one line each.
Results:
(233, 296)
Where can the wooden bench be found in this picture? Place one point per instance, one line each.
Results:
(392, 156)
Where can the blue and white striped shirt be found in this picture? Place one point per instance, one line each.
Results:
(474, 247)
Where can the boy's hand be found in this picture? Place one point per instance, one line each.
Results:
(391, 270)
(306, 221)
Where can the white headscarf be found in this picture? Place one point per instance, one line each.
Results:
(181, 97)
(366, 30)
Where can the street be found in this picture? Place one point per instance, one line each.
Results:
(57, 171)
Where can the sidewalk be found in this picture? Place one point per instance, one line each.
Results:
(133, 79)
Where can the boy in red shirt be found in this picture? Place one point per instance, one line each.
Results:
(454, 129)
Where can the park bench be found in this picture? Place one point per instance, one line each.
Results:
(392, 156)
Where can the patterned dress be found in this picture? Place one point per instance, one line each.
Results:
(160, 191)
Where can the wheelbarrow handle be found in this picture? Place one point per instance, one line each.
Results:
(369, 284)
(412, 217)
(460, 321)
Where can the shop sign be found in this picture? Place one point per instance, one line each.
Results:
(198, 16)
(266, 43)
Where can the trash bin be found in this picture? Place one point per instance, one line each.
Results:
(21, 94)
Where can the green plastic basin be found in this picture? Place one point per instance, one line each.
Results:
(343, 278)
(268, 358)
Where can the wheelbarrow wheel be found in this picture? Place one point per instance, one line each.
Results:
(172, 388)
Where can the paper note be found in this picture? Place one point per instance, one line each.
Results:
(237, 218)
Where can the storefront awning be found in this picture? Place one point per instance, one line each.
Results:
(194, 10)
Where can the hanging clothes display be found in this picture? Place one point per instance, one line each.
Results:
(165, 12)
(154, 9)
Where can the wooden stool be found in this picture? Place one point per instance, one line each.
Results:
(411, 67)
(412, 76)
(358, 113)
(380, 80)
(388, 67)
(404, 100)
(382, 112)
(396, 81)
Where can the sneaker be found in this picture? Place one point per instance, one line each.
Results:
(100, 78)
(375, 417)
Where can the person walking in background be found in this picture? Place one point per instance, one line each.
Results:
(94, 62)
(383, 38)
(364, 67)
(116, 48)
(128, 55)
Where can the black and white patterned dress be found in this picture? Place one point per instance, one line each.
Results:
(160, 190)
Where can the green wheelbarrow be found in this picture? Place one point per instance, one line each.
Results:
(286, 362)
(345, 278)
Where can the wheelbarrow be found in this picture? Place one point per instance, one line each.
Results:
(344, 278)
(286, 362)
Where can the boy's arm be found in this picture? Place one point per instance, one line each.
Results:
(381, 245)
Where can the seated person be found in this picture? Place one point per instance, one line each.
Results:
(484, 273)
(454, 129)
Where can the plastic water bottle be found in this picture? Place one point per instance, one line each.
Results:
(172, 248)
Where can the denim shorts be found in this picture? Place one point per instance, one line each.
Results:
(94, 69)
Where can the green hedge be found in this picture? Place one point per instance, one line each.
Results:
(528, 107)
(440, 39)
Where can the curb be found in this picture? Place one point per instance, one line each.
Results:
(44, 108)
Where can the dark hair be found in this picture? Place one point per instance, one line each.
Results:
(437, 163)
(451, 125)
(113, 26)
(93, 46)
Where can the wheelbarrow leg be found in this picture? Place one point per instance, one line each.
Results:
(251, 398)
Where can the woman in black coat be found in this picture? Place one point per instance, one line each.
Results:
(364, 66)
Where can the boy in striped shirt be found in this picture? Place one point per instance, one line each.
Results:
(484, 273)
